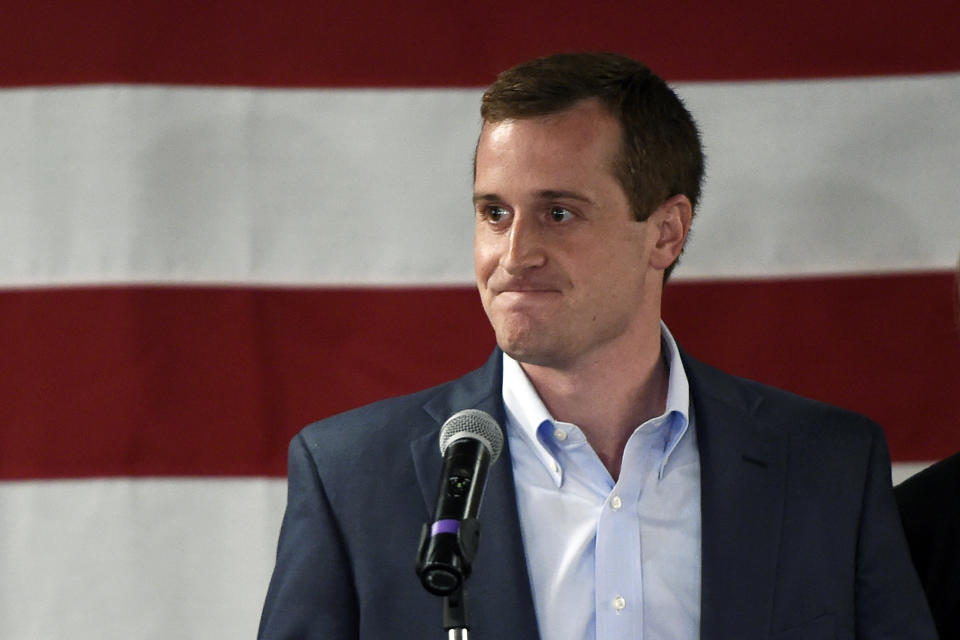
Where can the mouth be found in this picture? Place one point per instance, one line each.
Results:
(525, 289)
(525, 296)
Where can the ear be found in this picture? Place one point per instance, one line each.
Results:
(671, 224)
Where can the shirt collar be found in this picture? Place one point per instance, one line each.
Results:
(527, 412)
(678, 395)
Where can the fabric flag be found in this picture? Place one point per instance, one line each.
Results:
(221, 221)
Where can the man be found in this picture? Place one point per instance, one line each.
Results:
(643, 494)
(929, 503)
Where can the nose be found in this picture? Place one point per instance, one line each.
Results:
(525, 246)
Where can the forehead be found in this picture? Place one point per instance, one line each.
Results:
(583, 138)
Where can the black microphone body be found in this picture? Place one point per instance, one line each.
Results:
(471, 441)
(465, 467)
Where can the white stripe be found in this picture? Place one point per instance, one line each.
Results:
(277, 186)
(121, 559)
(903, 470)
(827, 177)
(162, 184)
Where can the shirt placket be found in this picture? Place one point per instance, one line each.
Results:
(619, 547)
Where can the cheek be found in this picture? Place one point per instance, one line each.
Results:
(484, 257)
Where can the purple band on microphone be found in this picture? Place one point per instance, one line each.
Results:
(444, 526)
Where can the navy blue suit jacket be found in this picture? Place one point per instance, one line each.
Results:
(801, 537)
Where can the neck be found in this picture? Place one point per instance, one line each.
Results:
(607, 395)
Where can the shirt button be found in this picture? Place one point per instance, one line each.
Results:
(616, 503)
(560, 434)
(619, 603)
(555, 466)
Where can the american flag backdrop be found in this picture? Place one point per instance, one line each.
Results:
(222, 220)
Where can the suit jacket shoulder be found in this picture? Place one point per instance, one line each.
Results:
(774, 408)
(378, 428)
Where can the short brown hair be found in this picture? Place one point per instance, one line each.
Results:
(661, 154)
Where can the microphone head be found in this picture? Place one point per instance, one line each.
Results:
(476, 424)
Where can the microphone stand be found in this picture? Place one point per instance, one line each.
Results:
(455, 619)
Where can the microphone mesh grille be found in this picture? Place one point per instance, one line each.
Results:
(476, 424)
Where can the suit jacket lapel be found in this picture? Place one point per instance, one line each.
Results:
(499, 588)
(743, 479)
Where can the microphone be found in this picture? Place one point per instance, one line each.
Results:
(470, 441)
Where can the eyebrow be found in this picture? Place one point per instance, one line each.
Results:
(545, 194)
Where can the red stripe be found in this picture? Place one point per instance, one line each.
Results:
(214, 381)
(380, 43)
(202, 381)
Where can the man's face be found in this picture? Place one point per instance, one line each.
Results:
(560, 260)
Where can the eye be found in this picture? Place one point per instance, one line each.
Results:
(494, 213)
(560, 214)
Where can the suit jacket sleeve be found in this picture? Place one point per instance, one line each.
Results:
(311, 594)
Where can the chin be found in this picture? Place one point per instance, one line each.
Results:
(530, 351)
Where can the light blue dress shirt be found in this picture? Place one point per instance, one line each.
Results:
(609, 560)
